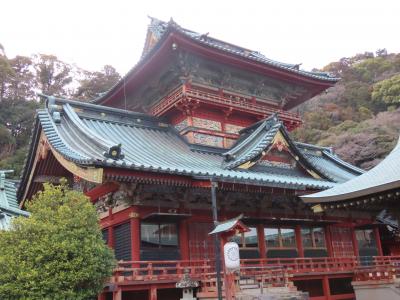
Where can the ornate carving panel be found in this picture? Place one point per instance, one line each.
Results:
(182, 125)
(229, 142)
(208, 140)
(207, 124)
(231, 128)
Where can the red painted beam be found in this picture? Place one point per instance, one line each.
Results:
(102, 190)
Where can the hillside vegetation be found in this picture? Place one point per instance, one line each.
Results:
(21, 78)
(360, 116)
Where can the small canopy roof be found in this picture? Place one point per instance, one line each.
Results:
(384, 177)
(231, 225)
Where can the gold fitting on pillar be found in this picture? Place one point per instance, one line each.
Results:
(134, 215)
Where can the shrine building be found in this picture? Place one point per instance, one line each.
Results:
(197, 116)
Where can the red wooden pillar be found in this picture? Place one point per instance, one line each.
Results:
(378, 241)
(261, 241)
(328, 241)
(117, 295)
(153, 293)
(326, 288)
(101, 296)
(184, 239)
(110, 230)
(229, 278)
(355, 242)
(299, 241)
(110, 241)
(135, 233)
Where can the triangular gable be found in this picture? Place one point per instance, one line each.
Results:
(268, 144)
(154, 32)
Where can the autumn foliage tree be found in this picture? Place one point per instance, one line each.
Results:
(56, 253)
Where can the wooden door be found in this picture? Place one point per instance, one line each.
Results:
(342, 242)
(201, 244)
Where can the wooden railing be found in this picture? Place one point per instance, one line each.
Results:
(302, 265)
(376, 273)
(162, 270)
(264, 269)
(238, 102)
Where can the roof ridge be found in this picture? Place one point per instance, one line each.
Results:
(97, 107)
(111, 150)
(233, 159)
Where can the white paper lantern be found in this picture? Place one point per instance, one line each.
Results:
(231, 254)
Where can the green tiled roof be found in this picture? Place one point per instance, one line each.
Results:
(8, 198)
(84, 133)
(384, 177)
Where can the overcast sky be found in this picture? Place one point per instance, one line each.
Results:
(94, 33)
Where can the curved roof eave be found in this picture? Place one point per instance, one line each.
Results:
(383, 177)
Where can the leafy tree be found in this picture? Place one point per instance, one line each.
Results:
(52, 75)
(387, 91)
(22, 84)
(97, 82)
(56, 253)
(6, 73)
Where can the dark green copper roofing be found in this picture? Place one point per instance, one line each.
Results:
(258, 138)
(8, 198)
(163, 29)
(384, 177)
(83, 132)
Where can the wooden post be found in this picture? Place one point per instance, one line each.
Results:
(110, 241)
(328, 241)
(153, 293)
(229, 278)
(261, 241)
(101, 296)
(326, 288)
(378, 241)
(299, 241)
(184, 239)
(216, 238)
(135, 233)
(110, 230)
(117, 295)
(355, 242)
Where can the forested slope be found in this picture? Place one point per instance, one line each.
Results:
(360, 116)
(21, 78)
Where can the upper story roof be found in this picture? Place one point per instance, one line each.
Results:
(8, 198)
(383, 177)
(97, 136)
(166, 35)
(158, 29)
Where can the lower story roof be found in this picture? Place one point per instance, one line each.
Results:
(94, 135)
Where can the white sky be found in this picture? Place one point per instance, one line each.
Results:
(94, 33)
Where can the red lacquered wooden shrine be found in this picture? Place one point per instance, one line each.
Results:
(196, 113)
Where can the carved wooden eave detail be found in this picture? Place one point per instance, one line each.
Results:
(90, 174)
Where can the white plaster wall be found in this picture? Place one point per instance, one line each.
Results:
(377, 291)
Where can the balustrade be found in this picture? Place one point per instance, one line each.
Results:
(238, 102)
(262, 269)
